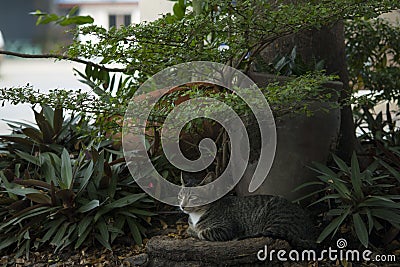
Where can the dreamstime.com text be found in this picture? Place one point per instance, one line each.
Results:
(331, 254)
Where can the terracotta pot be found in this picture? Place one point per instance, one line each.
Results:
(187, 140)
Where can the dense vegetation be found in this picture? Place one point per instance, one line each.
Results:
(65, 183)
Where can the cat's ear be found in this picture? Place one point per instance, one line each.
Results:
(208, 179)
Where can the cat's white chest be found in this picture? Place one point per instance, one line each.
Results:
(195, 217)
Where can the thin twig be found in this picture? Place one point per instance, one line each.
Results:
(55, 56)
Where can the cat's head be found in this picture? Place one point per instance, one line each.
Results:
(188, 197)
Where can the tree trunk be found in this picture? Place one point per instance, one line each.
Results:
(302, 140)
(326, 44)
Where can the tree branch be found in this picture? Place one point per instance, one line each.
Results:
(62, 57)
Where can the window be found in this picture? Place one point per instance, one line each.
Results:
(112, 21)
(118, 20)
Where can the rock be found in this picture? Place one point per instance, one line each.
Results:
(140, 260)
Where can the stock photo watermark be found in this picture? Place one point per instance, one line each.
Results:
(331, 254)
(144, 101)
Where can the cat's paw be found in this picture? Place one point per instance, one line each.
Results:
(191, 232)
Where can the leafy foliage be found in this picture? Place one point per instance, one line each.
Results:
(373, 50)
(68, 193)
(52, 195)
(246, 27)
(363, 199)
(69, 19)
(51, 133)
(229, 32)
(110, 102)
(288, 65)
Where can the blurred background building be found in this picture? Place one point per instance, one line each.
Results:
(22, 35)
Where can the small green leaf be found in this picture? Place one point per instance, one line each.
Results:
(58, 120)
(341, 164)
(331, 196)
(89, 206)
(73, 11)
(5, 243)
(341, 188)
(370, 220)
(45, 127)
(333, 226)
(142, 212)
(179, 11)
(374, 201)
(388, 215)
(394, 172)
(53, 227)
(356, 179)
(307, 185)
(34, 134)
(102, 227)
(66, 170)
(125, 201)
(39, 198)
(361, 230)
(60, 234)
(134, 231)
(48, 113)
(21, 191)
(46, 18)
(29, 158)
(324, 170)
(33, 182)
(86, 177)
(103, 242)
(82, 237)
(118, 224)
(84, 224)
(26, 235)
(78, 20)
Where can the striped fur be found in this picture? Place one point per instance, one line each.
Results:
(235, 217)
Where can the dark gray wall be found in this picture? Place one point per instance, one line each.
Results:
(17, 25)
(15, 21)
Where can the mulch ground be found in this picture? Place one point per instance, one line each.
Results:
(125, 253)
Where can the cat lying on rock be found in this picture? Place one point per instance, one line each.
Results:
(233, 217)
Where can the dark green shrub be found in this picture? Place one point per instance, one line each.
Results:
(360, 198)
(62, 198)
(373, 55)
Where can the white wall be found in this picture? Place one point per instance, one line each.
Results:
(392, 17)
(152, 9)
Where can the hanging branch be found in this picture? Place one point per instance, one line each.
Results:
(63, 57)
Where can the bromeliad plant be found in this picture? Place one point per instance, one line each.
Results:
(68, 198)
(52, 132)
(361, 199)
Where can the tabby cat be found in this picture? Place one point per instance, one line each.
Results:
(233, 217)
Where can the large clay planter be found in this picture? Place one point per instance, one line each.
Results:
(300, 141)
